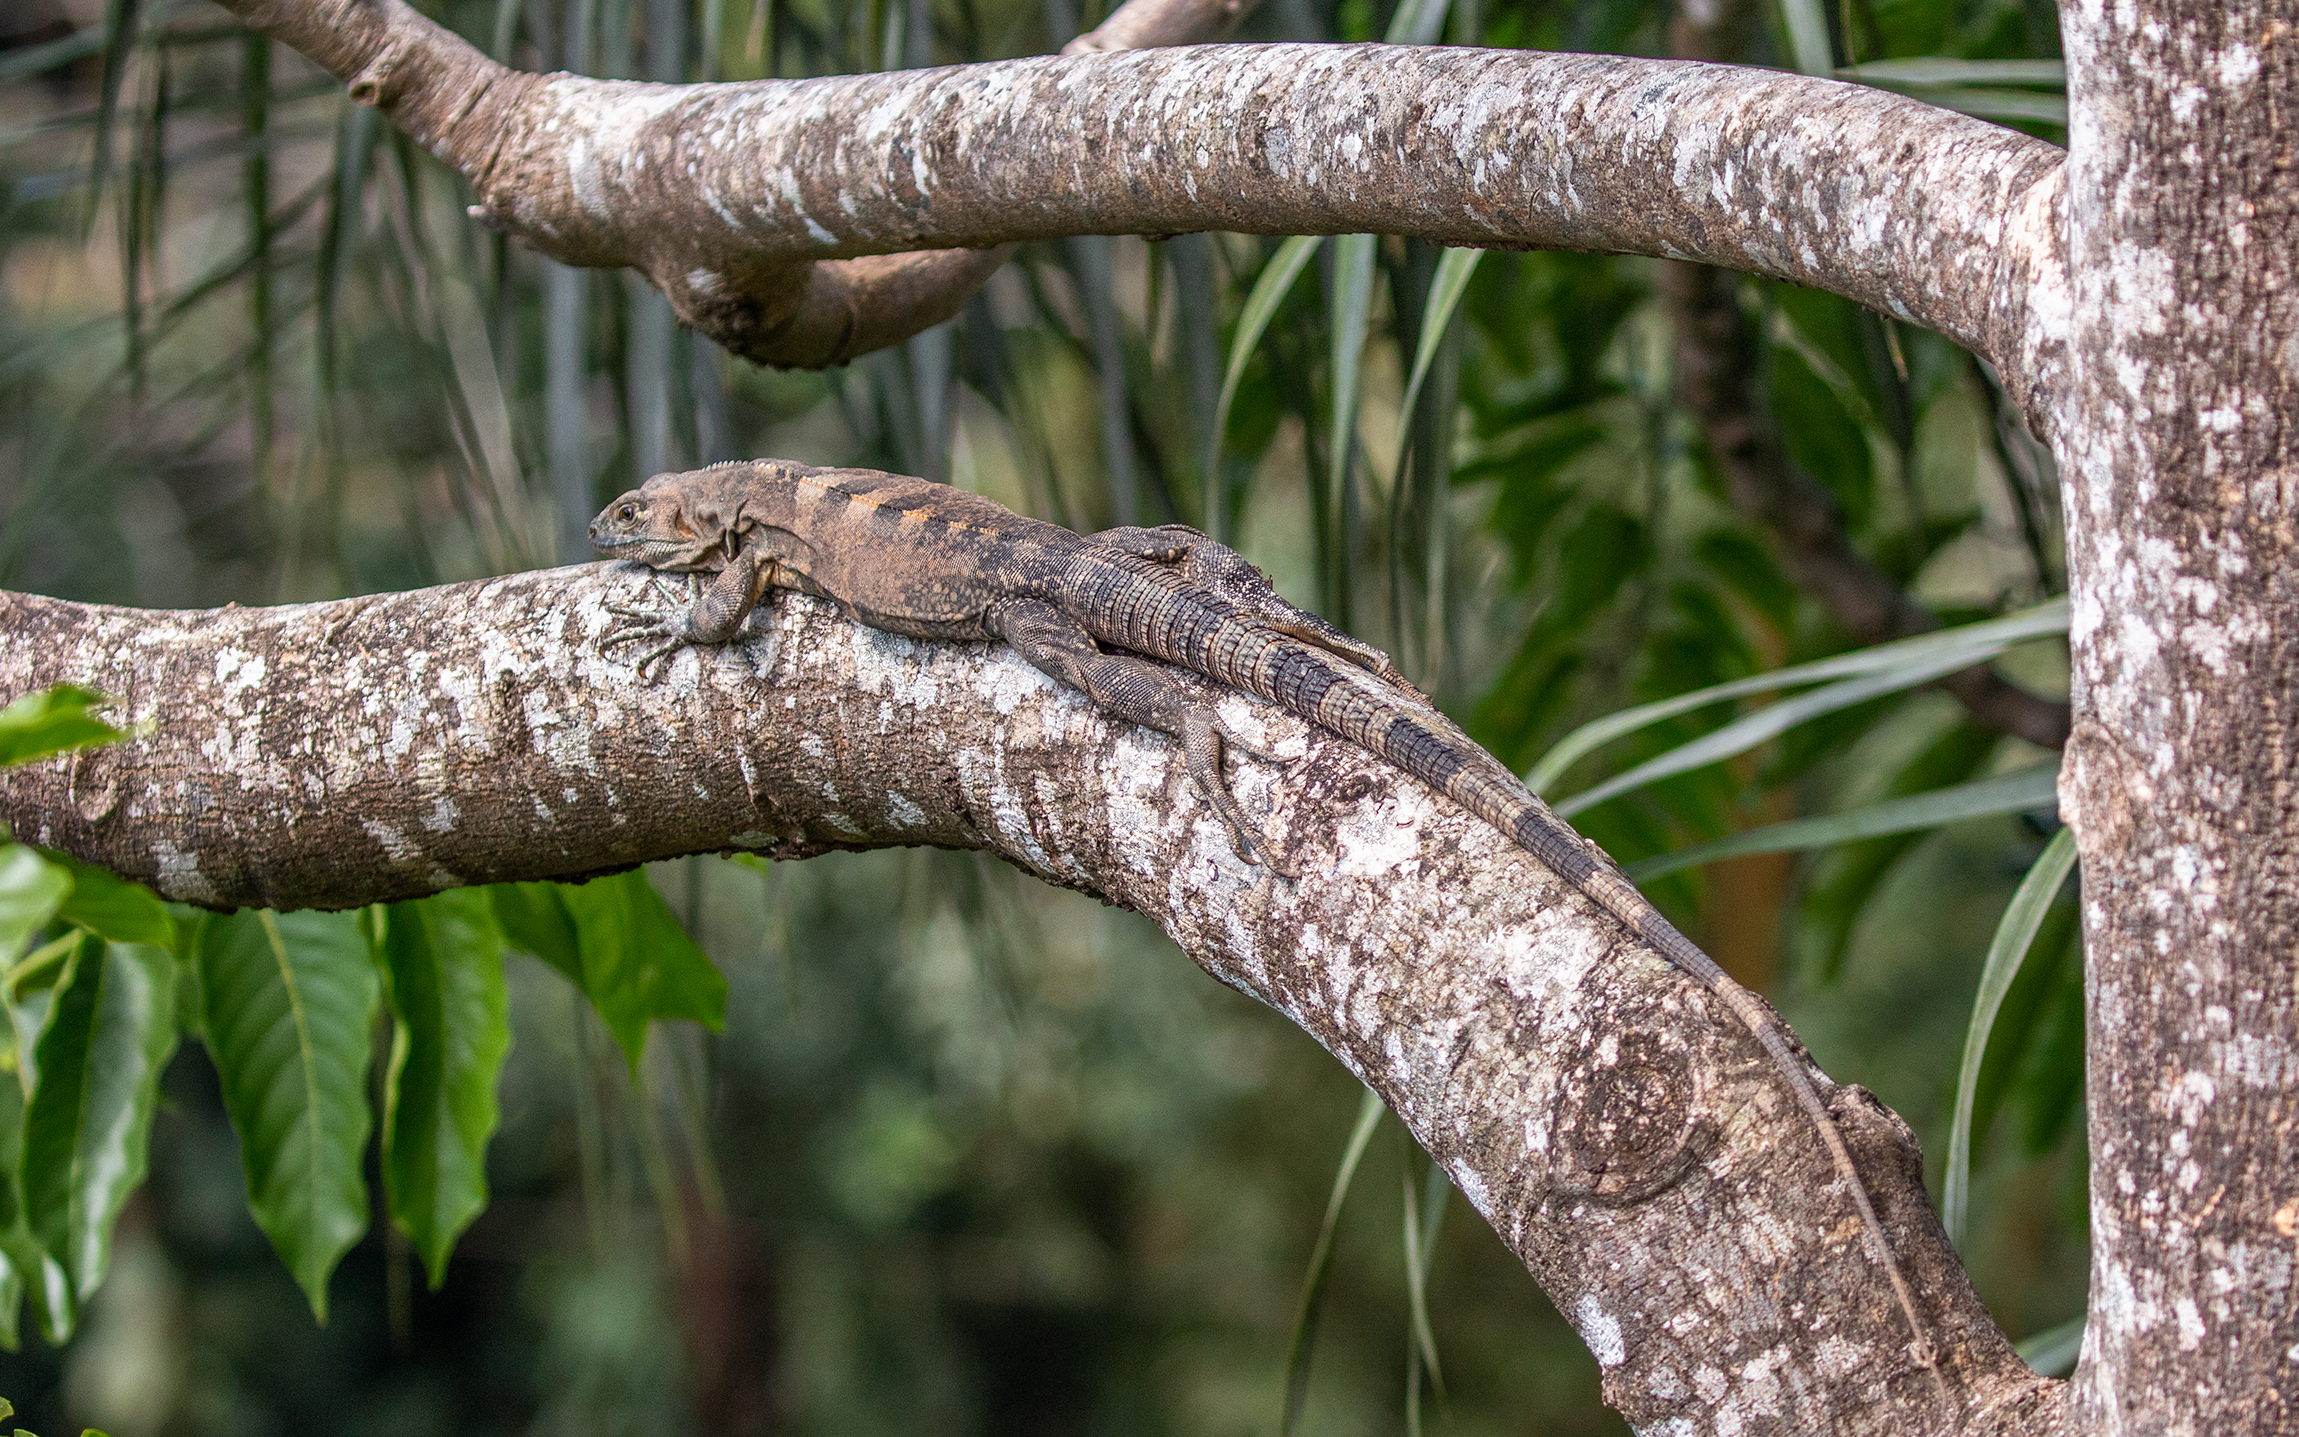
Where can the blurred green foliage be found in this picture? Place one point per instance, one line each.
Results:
(969, 1154)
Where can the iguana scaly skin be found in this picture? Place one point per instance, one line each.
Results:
(913, 557)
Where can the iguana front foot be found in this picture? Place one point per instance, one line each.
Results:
(665, 632)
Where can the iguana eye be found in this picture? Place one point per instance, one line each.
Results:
(627, 513)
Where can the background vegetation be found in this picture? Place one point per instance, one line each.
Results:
(967, 1153)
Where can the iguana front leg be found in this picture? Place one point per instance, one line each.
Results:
(717, 612)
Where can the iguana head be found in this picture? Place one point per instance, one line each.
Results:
(653, 525)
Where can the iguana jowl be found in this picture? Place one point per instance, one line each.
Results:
(931, 561)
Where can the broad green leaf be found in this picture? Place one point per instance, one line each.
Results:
(1304, 1344)
(26, 1269)
(534, 918)
(1929, 655)
(621, 945)
(443, 964)
(114, 907)
(31, 890)
(51, 721)
(88, 1132)
(290, 1000)
(30, 994)
(2014, 936)
(2024, 791)
(1269, 290)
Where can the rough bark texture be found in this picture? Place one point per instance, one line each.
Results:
(719, 192)
(2180, 463)
(1618, 1128)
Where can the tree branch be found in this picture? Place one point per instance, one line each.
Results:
(720, 192)
(1620, 1131)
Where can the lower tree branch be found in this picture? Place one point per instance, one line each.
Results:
(1621, 1132)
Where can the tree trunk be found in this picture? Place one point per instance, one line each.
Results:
(2174, 432)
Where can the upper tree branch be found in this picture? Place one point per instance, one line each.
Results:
(1620, 1131)
(717, 192)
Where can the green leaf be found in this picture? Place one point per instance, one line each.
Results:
(1269, 290)
(47, 56)
(1937, 70)
(53, 720)
(31, 891)
(1350, 309)
(1807, 26)
(1451, 281)
(1304, 1343)
(1418, 22)
(1423, 1213)
(1925, 657)
(1990, 104)
(290, 1019)
(535, 920)
(2014, 935)
(443, 963)
(2023, 791)
(618, 941)
(26, 1269)
(88, 1132)
(119, 36)
(114, 907)
(2053, 1351)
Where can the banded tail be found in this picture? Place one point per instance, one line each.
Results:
(1381, 718)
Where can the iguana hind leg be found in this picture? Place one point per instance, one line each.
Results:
(1145, 693)
(1230, 574)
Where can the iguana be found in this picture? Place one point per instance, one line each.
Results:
(931, 561)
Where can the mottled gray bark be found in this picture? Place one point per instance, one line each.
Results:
(1618, 1128)
(2177, 431)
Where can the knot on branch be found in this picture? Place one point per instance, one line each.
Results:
(815, 315)
(382, 78)
(1629, 1117)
